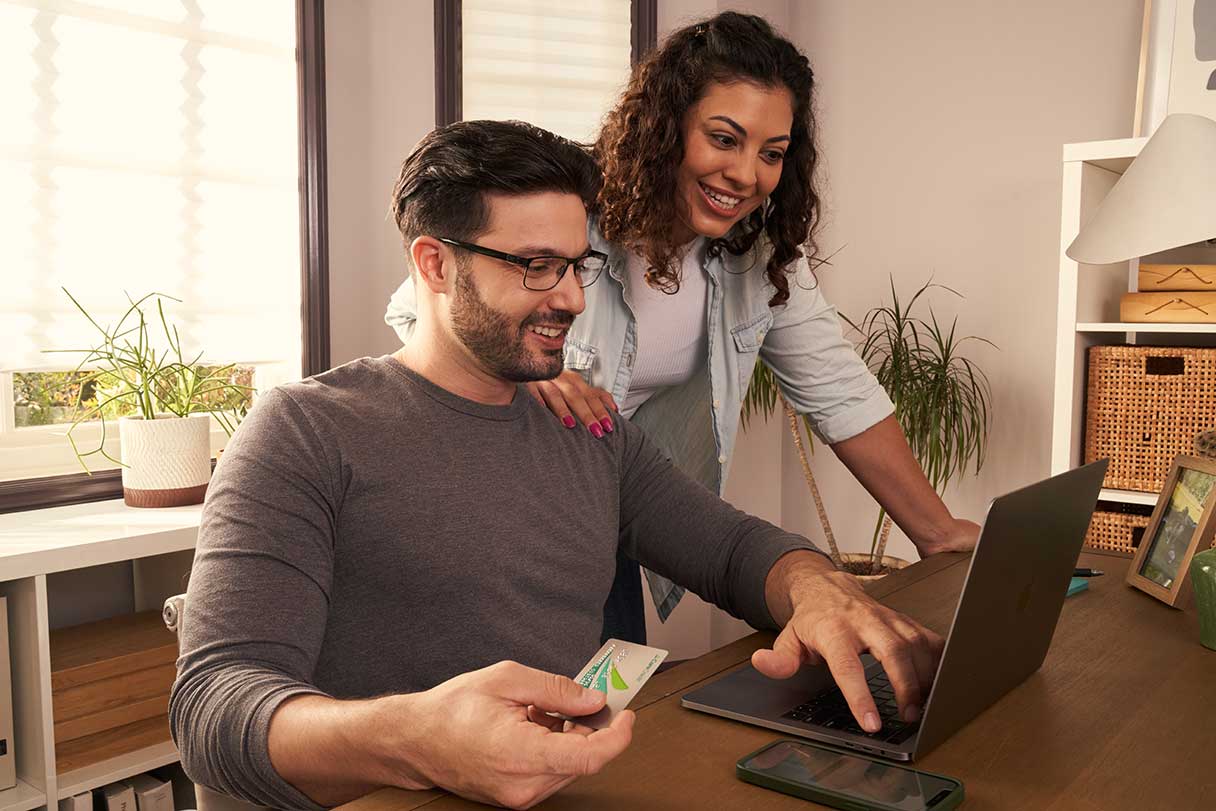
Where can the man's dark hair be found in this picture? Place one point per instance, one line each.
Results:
(440, 191)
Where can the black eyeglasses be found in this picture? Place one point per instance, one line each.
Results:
(544, 272)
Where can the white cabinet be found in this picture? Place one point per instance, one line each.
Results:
(1088, 305)
(37, 548)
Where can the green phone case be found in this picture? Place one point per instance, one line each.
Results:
(828, 796)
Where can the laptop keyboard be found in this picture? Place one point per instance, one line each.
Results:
(829, 709)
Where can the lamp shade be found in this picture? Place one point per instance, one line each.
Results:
(1165, 199)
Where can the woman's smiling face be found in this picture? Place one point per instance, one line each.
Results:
(735, 140)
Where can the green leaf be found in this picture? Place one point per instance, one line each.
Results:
(942, 399)
(153, 378)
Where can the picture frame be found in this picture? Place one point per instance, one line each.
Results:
(1177, 62)
(1181, 525)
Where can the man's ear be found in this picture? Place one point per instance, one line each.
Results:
(430, 268)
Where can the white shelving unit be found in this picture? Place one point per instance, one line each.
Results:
(1147, 329)
(1089, 303)
(88, 778)
(22, 797)
(158, 543)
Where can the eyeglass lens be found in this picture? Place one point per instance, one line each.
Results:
(545, 272)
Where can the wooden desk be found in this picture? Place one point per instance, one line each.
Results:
(1122, 715)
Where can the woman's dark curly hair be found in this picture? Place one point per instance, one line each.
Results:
(641, 146)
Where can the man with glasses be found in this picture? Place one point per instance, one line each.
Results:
(403, 559)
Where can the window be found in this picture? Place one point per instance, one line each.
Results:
(554, 65)
(557, 65)
(147, 146)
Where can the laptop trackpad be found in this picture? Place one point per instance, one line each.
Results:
(751, 692)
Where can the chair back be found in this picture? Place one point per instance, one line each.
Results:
(207, 799)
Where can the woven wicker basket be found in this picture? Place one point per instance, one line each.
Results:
(1116, 532)
(1145, 406)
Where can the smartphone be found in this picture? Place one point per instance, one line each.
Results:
(846, 780)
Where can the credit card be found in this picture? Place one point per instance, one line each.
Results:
(619, 669)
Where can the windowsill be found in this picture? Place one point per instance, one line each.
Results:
(73, 537)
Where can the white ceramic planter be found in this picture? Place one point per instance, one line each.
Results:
(168, 459)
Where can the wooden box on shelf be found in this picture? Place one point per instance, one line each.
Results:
(1152, 278)
(110, 683)
(1180, 307)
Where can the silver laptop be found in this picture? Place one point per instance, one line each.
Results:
(1003, 624)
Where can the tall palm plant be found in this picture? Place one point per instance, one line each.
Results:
(942, 399)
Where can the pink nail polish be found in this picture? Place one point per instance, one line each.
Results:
(597, 431)
(568, 421)
(607, 423)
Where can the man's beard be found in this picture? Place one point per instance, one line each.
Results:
(496, 342)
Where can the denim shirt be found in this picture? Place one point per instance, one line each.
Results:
(696, 423)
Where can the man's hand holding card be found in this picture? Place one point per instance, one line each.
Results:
(490, 735)
(618, 670)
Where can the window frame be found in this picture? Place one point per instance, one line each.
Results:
(449, 84)
(78, 488)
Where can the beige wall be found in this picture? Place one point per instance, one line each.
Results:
(941, 126)
(380, 99)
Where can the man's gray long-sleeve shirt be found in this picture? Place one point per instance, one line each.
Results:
(369, 532)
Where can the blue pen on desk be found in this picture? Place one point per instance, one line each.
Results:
(1084, 572)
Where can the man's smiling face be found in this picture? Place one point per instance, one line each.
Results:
(512, 332)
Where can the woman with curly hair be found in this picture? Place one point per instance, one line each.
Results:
(708, 199)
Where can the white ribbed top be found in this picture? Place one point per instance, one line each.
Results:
(671, 329)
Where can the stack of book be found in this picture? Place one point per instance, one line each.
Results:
(143, 792)
(110, 683)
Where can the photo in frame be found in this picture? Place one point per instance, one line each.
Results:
(1177, 62)
(1181, 526)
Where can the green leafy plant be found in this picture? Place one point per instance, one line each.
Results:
(942, 399)
(127, 372)
(34, 403)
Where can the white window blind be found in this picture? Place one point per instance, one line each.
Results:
(146, 145)
(554, 64)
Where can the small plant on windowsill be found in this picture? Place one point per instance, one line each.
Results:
(164, 403)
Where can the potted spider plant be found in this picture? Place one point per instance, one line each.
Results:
(164, 403)
(942, 401)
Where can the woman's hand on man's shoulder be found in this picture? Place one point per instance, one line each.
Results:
(573, 400)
